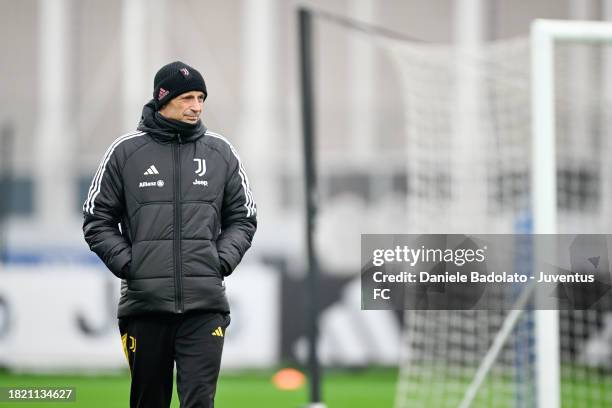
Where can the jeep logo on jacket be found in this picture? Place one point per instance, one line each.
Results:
(186, 211)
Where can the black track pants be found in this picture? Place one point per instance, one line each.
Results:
(153, 343)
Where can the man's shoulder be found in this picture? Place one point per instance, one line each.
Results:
(128, 142)
(216, 140)
(219, 142)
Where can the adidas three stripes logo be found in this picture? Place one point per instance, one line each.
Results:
(151, 170)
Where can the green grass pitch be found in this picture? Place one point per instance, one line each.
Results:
(371, 388)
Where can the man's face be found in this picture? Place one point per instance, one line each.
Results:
(186, 107)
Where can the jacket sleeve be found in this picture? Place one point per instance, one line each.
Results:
(238, 218)
(103, 210)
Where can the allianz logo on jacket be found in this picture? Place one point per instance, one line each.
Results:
(158, 183)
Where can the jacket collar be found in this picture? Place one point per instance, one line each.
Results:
(166, 130)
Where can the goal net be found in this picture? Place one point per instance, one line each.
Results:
(468, 165)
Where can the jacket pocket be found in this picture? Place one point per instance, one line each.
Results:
(125, 271)
(216, 260)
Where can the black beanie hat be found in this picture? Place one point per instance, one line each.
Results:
(174, 79)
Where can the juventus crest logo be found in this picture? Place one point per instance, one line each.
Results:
(201, 170)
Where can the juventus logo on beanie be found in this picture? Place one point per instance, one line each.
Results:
(174, 79)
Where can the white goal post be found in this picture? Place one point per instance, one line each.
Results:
(540, 174)
(544, 35)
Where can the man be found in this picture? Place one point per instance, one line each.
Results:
(170, 212)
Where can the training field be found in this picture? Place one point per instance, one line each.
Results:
(373, 388)
(369, 388)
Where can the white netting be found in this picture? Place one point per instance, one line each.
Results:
(467, 130)
(468, 163)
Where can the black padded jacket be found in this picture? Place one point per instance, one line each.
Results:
(170, 212)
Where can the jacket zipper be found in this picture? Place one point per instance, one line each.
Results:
(178, 274)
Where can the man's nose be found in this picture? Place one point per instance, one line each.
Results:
(196, 106)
